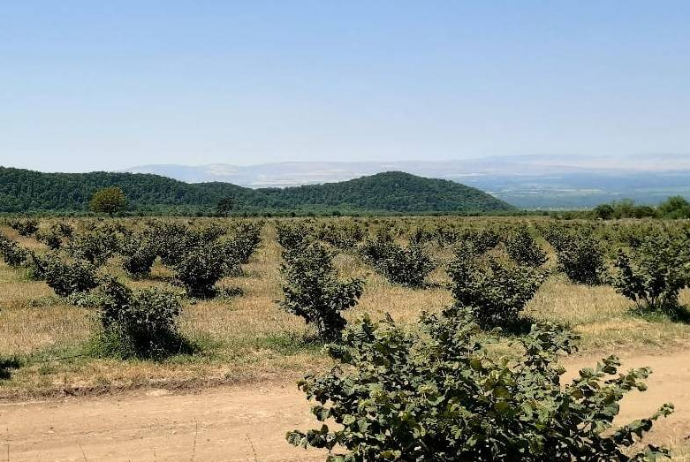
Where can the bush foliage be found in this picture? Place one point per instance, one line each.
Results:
(313, 291)
(65, 277)
(524, 250)
(406, 266)
(653, 274)
(493, 290)
(582, 259)
(435, 394)
(140, 324)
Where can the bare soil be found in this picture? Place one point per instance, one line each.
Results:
(249, 422)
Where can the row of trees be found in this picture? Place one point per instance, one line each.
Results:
(675, 207)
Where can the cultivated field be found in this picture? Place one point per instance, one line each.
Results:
(54, 346)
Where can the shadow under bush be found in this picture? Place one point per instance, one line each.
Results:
(290, 344)
(113, 343)
(673, 313)
(7, 365)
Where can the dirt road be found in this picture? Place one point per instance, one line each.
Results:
(243, 423)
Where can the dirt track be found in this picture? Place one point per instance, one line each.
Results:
(242, 423)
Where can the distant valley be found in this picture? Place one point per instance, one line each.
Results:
(537, 181)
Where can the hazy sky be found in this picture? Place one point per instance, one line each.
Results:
(106, 85)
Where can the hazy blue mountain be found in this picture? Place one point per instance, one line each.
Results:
(535, 181)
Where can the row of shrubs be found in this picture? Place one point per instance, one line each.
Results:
(142, 323)
(435, 394)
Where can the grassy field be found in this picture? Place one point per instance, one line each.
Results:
(47, 344)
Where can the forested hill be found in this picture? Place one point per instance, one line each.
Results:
(27, 191)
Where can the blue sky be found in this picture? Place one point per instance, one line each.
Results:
(90, 85)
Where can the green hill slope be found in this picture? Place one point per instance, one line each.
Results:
(25, 191)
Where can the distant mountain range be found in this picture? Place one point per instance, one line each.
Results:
(536, 181)
(26, 190)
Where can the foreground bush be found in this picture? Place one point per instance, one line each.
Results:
(494, 291)
(313, 291)
(435, 394)
(140, 324)
(653, 274)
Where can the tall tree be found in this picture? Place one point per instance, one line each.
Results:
(225, 206)
(108, 200)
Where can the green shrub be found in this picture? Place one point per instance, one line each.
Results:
(200, 268)
(64, 229)
(435, 394)
(52, 238)
(524, 250)
(95, 246)
(675, 207)
(341, 235)
(581, 258)
(245, 242)
(140, 324)
(67, 278)
(406, 266)
(482, 241)
(171, 241)
(26, 227)
(12, 253)
(379, 248)
(313, 292)
(495, 292)
(604, 211)
(653, 274)
(293, 236)
(139, 254)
